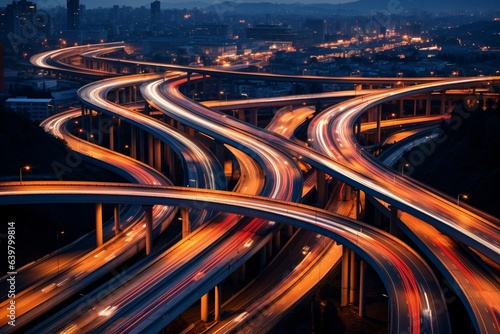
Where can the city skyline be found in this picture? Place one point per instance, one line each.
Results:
(364, 5)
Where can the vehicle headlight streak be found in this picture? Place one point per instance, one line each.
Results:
(342, 120)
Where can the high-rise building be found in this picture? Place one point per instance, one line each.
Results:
(73, 8)
(317, 29)
(155, 11)
(19, 15)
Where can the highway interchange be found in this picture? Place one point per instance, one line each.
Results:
(417, 304)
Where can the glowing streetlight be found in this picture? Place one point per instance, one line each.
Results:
(27, 167)
(464, 196)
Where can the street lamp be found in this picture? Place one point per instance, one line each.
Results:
(27, 167)
(464, 196)
(57, 248)
(403, 168)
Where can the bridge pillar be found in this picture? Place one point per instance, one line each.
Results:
(346, 192)
(150, 150)
(142, 153)
(359, 207)
(344, 285)
(98, 223)
(157, 154)
(218, 298)
(379, 120)
(289, 231)
(414, 107)
(149, 229)
(357, 128)
(89, 129)
(119, 147)
(170, 159)
(442, 109)
(262, 258)
(353, 277)
(116, 211)
(277, 241)
(219, 151)
(362, 297)
(123, 96)
(428, 104)
(321, 187)
(186, 224)
(112, 138)
(133, 141)
(204, 307)
(82, 118)
(253, 116)
(146, 108)
(401, 107)
(393, 224)
(269, 249)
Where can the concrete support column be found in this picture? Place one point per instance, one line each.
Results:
(186, 224)
(89, 130)
(428, 104)
(82, 118)
(269, 249)
(262, 258)
(379, 120)
(116, 211)
(118, 135)
(344, 285)
(289, 231)
(321, 187)
(358, 205)
(133, 141)
(353, 279)
(204, 307)
(277, 241)
(112, 138)
(357, 129)
(149, 229)
(393, 228)
(346, 192)
(242, 271)
(170, 159)
(219, 152)
(401, 107)
(362, 297)
(218, 298)
(157, 154)
(442, 109)
(150, 150)
(146, 108)
(414, 107)
(253, 116)
(142, 153)
(98, 224)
